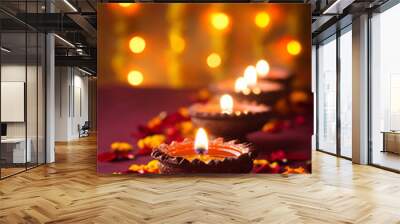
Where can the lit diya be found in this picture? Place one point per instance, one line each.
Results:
(202, 156)
(249, 88)
(228, 118)
(275, 74)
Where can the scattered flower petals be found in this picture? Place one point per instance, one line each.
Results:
(278, 155)
(115, 156)
(150, 167)
(290, 170)
(121, 147)
(106, 157)
(272, 127)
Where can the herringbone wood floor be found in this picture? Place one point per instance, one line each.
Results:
(70, 191)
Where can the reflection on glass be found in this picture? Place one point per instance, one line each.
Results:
(327, 97)
(346, 94)
(41, 99)
(386, 89)
(22, 92)
(15, 150)
(31, 100)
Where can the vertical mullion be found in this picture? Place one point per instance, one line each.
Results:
(46, 36)
(369, 79)
(37, 90)
(317, 97)
(26, 86)
(73, 92)
(338, 98)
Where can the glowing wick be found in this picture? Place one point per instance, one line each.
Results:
(201, 142)
(262, 68)
(250, 75)
(226, 104)
(240, 85)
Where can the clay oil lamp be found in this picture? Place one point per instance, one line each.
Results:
(228, 118)
(202, 156)
(278, 75)
(250, 88)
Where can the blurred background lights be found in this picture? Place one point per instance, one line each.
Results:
(125, 4)
(220, 21)
(137, 44)
(177, 43)
(262, 68)
(250, 75)
(213, 60)
(135, 78)
(262, 19)
(294, 47)
(240, 84)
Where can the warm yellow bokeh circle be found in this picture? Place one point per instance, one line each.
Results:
(137, 44)
(135, 78)
(294, 47)
(262, 19)
(220, 21)
(213, 60)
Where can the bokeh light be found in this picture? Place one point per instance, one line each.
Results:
(213, 60)
(262, 68)
(240, 84)
(177, 43)
(135, 78)
(226, 103)
(262, 19)
(220, 21)
(125, 4)
(137, 44)
(250, 75)
(294, 47)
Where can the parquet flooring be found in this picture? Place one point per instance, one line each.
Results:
(70, 191)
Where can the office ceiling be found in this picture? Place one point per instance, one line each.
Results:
(76, 22)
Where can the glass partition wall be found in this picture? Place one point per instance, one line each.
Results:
(385, 89)
(327, 95)
(334, 93)
(345, 92)
(22, 98)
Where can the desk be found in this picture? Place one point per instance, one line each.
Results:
(391, 141)
(13, 150)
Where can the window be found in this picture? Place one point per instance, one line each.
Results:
(346, 93)
(385, 89)
(327, 96)
(22, 101)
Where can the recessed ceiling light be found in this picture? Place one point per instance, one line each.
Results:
(84, 71)
(5, 50)
(70, 5)
(64, 40)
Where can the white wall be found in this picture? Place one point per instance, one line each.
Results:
(71, 102)
(33, 127)
(13, 73)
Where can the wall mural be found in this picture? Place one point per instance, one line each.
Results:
(189, 88)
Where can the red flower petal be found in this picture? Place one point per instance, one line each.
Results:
(106, 157)
(279, 155)
(143, 152)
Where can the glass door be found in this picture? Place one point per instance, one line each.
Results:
(15, 151)
(385, 89)
(22, 77)
(326, 94)
(345, 93)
